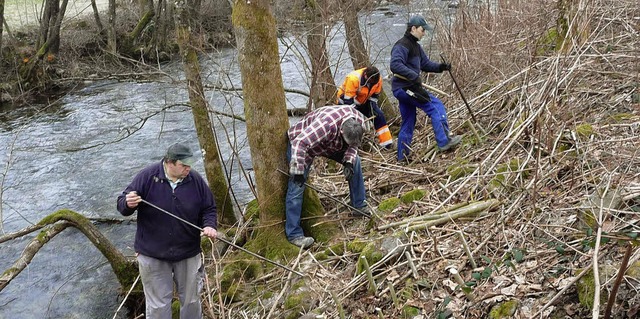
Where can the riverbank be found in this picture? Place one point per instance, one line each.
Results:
(82, 56)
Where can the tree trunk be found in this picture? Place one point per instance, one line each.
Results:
(144, 21)
(266, 118)
(573, 24)
(54, 32)
(323, 87)
(360, 55)
(264, 104)
(206, 136)
(111, 28)
(1, 26)
(96, 16)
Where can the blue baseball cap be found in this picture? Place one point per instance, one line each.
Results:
(418, 21)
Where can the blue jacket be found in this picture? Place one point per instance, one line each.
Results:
(407, 60)
(162, 236)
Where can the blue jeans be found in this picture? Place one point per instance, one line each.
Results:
(295, 195)
(369, 109)
(434, 109)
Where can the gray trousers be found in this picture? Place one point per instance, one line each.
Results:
(158, 277)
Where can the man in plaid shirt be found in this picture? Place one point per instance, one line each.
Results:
(334, 132)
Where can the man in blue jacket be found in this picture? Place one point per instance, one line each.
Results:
(167, 249)
(407, 61)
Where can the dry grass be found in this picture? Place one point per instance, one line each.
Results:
(557, 131)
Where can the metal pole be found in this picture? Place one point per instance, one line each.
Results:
(455, 83)
(224, 240)
(329, 196)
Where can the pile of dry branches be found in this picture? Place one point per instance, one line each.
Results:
(555, 151)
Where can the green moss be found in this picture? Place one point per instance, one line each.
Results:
(634, 270)
(175, 309)
(335, 250)
(548, 41)
(505, 170)
(504, 310)
(460, 169)
(620, 117)
(372, 255)
(321, 256)
(414, 195)
(584, 130)
(408, 291)
(586, 285)
(387, 206)
(299, 302)
(252, 212)
(356, 246)
(410, 312)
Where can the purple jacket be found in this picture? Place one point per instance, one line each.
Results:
(162, 236)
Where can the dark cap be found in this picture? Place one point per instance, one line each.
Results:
(182, 153)
(418, 21)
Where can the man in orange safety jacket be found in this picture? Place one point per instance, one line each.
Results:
(361, 89)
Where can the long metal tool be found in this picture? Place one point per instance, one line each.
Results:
(329, 196)
(460, 91)
(224, 240)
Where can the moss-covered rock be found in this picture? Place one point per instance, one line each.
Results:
(302, 300)
(586, 285)
(505, 172)
(412, 196)
(388, 205)
(371, 254)
(584, 130)
(460, 169)
(503, 310)
(409, 312)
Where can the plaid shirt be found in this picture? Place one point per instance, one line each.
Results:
(319, 134)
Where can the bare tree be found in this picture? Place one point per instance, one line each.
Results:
(323, 87)
(186, 20)
(1, 22)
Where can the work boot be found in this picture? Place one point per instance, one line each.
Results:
(302, 241)
(453, 141)
(363, 211)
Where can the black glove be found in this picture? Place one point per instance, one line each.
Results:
(348, 171)
(417, 81)
(444, 67)
(298, 179)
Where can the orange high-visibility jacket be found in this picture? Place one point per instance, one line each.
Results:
(353, 86)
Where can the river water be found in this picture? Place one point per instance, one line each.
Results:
(71, 154)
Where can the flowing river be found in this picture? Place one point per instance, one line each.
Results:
(81, 151)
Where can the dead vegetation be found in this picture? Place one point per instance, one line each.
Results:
(555, 151)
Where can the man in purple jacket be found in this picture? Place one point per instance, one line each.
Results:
(168, 250)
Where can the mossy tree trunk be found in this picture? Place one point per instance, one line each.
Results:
(573, 24)
(358, 51)
(323, 86)
(48, 40)
(126, 270)
(266, 118)
(208, 141)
